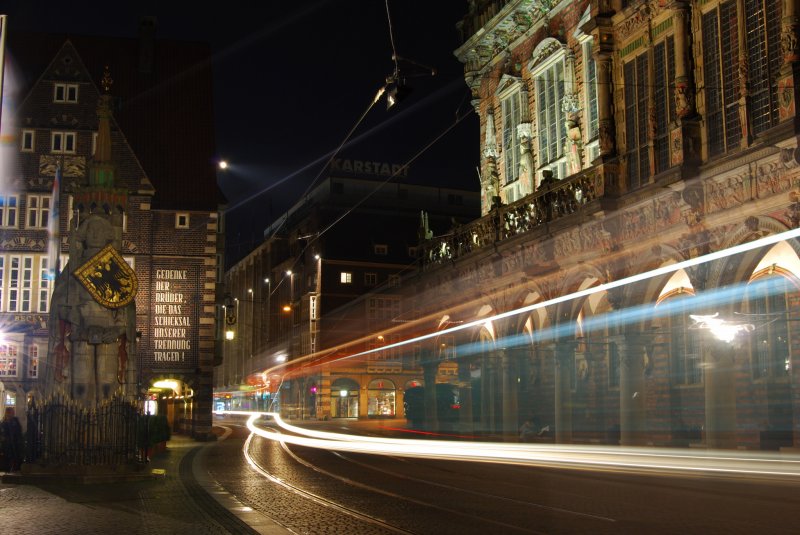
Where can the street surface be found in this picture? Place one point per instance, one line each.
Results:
(246, 484)
(318, 491)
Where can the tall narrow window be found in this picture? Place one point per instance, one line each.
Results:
(764, 58)
(592, 114)
(685, 357)
(720, 59)
(636, 88)
(33, 361)
(8, 210)
(770, 342)
(27, 141)
(551, 127)
(664, 69)
(44, 284)
(511, 119)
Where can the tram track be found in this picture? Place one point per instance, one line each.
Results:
(467, 518)
(314, 497)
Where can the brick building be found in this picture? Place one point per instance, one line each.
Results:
(162, 150)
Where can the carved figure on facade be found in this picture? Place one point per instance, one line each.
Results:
(725, 193)
(772, 179)
(527, 167)
(684, 98)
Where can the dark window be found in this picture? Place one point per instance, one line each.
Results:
(635, 72)
(664, 68)
(720, 33)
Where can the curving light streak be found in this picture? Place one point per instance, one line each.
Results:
(649, 460)
(639, 277)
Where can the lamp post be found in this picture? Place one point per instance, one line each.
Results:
(269, 310)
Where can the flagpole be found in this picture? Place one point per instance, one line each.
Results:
(2, 61)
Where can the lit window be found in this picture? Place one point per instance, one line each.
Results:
(381, 249)
(551, 124)
(346, 277)
(510, 105)
(181, 220)
(33, 362)
(44, 284)
(8, 360)
(65, 93)
(94, 143)
(20, 283)
(38, 211)
(27, 141)
(8, 210)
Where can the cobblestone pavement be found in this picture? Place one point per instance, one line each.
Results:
(182, 501)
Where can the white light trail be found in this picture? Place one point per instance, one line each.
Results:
(639, 460)
(664, 270)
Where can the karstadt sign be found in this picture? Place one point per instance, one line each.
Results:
(363, 167)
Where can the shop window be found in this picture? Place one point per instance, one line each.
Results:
(381, 399)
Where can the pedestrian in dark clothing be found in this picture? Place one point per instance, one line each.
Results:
(11, 432)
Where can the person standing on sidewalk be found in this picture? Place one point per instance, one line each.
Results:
(13, 448)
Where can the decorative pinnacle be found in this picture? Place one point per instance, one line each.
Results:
(107, 81)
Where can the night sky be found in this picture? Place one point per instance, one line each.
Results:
(293, 78)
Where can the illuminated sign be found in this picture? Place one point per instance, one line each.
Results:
(361, 167)
(174, 316)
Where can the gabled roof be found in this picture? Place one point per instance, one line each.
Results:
(166, 115)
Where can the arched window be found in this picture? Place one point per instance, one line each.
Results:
(766, 299)
(547, 69)
(344, 398)
(381, 399)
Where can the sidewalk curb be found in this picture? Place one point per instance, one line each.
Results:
(256, 520)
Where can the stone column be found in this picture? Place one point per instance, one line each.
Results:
(565, 361)
(720, 385)
(684, 140)
(631, 389)
(510, 392)
(490, 181)
(465, 394)
(603, 51)
(790, 70)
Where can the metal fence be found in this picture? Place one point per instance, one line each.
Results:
(63, 433)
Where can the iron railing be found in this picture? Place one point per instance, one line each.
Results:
(61, 432)
(549, 203)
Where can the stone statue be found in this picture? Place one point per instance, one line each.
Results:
(89, 342)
